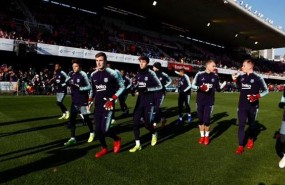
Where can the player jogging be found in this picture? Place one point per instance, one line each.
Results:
(105, 82)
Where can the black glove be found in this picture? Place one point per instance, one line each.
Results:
(281, 105)
(142, 89)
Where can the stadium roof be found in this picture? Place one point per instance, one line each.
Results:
(230, 24)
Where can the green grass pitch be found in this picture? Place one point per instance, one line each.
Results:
(32, 151)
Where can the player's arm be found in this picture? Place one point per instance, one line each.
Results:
(188, 82)
(263, 88)
(218, 86)
(65, 77)
(158, 85)
(168, 79)
(92, 91)
(120, 83)
(87, 86)
(129, 82)
(195, 86)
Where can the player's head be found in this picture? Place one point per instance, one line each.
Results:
(247, 66)
(76, 65)
(144, 60)
(101, 60)
(57, 67)
(122, 72)
(210, 66)
(156, 66)
(182, 72)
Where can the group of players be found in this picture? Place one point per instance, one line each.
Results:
(106, 85)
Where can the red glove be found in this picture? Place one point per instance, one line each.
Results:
(204, 87)
(253, 97)
(109, 105)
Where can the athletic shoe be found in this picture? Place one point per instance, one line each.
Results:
(201, 140)
(189, 119)
(91, 137)
(250, 144)
(154, 139)
(206, 141)
(117, 145)
(179, 122)
(163, 122)
(63, 116)
(282, 162)
(104, 151)
(70, 142)
(67, 114)
(136, 148)
(240, 150)
(154, 125)
(113, 121)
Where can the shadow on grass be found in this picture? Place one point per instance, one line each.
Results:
(221, 127)
(58, 158)
(26, 120)
(60, 155)
(259, 128)
(279, 146)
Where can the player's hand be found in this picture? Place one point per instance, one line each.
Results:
(76, 85)
(109, 105)
(223, 84)
(253, 97)
(142, 89)
(204, 87)
(235, 76)
(281, 105)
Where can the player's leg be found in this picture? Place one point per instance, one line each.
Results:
(242, 117)
(187, 107)
(208, 109)
(72, 120)
(200, 114)
(85, 116)
(137, 116)
(252, 127)
(180, 108)
(59, 101)
(148, 117)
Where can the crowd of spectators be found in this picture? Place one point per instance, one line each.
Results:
(99, 34)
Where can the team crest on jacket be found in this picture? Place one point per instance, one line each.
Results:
(105, 80)
(213, 80)
(242, 79)
(146, 78)
(78, 80)
(251, 80)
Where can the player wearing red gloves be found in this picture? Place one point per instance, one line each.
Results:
(252, 88)
(104, 91)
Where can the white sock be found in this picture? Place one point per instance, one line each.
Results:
(202, 133)
(63, 114)
(138, 143)
(207, 133)
(180, 118)
(91, 133)
(73, 138)
(189, 114)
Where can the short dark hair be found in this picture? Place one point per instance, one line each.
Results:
(101, 54)
(144, 58)
(182, 70)
(249, 61)
(77, 61)
(209, 61)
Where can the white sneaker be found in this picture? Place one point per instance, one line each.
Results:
(67, 114)
(113, 121)
(282, 162)
(91, 137)
(63, 116)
